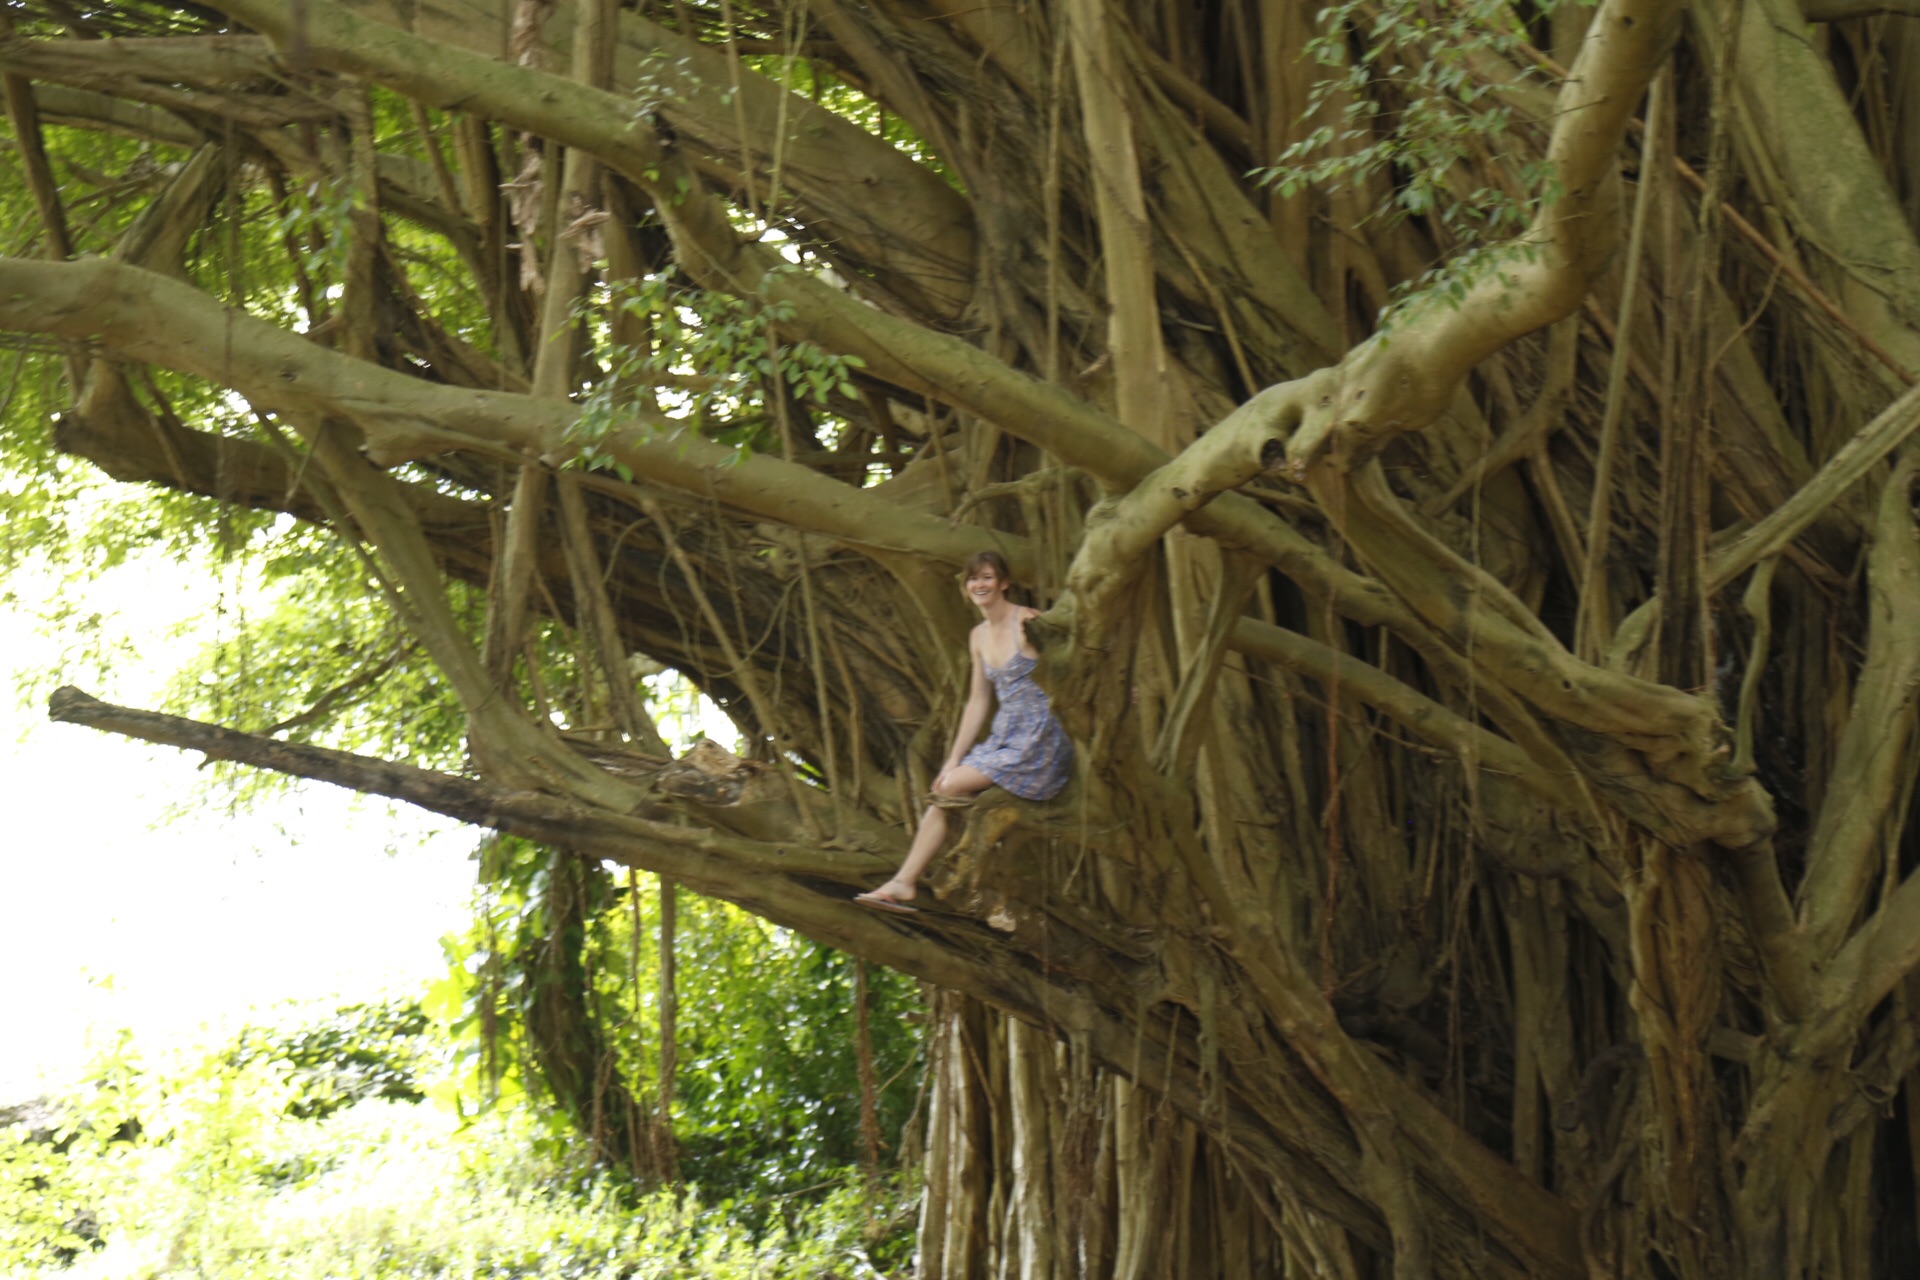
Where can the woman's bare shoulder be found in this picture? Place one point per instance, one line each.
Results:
(1028, 612)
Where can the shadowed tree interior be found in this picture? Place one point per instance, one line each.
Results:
(1460, 451)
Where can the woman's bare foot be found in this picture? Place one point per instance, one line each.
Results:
(893, 896)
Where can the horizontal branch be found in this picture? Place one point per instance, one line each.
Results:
(60, 104)
(779, 881)
(123, 439)
(533, 814)
(144, 316)
(207, 61)
(1841, 10)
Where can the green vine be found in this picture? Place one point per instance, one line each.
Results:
(724, 361)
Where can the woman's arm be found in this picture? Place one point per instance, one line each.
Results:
(979, 702)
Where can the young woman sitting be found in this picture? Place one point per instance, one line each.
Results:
(1027, 753)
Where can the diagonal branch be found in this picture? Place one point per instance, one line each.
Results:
(1873, 768)
(23, 114)
(534, 814)
(1476, 747)
(1247, 443)
(520, 748)
(1775, 532)
(1844, 469)
(779, 881)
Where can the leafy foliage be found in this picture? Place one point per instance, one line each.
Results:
(360, 1051)
(730, 353)
(233, 1177)
(309, 649)
(768, 1082)
(767, 1095)
(43, 1211)
(1407, 89)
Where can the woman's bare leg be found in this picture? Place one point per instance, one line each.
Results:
(961, 780)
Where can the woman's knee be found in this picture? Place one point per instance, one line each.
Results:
(961, 783)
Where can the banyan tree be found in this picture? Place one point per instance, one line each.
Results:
(1460, 449)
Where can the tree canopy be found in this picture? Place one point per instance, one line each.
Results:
(1383, 403)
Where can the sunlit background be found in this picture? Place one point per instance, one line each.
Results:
(136, 897)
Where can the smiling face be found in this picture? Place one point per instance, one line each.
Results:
(984, 585)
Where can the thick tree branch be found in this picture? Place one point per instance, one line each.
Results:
(1249, 442)
(863, 199)
(208, 62)
(1403, 380)
(1408, 707)
(62, 105)
(143, 316)
(1873, 770)
(534, 814)
(773, 880)
(1841, 10)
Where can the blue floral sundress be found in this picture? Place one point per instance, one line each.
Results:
(1027, 753)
